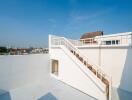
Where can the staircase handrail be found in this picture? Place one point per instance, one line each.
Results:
(64, 41)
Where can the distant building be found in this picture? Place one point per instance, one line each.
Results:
(91, 34)
(90, 37)
(18, 51)
(39, 50)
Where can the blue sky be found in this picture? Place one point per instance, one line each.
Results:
(28, 22)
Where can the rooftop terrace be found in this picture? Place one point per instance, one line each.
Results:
(46, 88)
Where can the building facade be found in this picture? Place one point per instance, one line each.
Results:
(93, 65)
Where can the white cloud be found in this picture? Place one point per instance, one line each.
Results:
(52, 22)
(79, 20)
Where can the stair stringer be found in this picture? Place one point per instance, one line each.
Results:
(85, 80)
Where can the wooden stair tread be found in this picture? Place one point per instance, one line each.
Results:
(102, 78)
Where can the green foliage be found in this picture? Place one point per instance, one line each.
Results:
(3, 51)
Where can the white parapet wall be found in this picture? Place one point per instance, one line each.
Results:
(19, 70)
(116, 61)
(71, 73)
(121, 38)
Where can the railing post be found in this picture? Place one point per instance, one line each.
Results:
(50, 41)
(110, 88)
(127, 37)
(121, 41)
(99, 40)
(131, 40)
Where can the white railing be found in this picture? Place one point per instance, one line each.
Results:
(89, 41)
(76, 42)
(122, 39)
(63, 41)
(81, 42)
(56, 41)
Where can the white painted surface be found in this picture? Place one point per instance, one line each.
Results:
(27, 77)
(92, 53)
(51, 89)
(70, 73)
(20, 70)
(116, 61)
(124, 38)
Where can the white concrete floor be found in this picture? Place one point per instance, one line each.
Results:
(50, 90)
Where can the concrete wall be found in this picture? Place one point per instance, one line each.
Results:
(70, 73)
(92, 52)
(115, 61)
(20, 70)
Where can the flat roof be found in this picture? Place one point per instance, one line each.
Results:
(51, 89)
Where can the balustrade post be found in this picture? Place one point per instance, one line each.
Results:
(131, 39)
(50, 43)
(121, 40)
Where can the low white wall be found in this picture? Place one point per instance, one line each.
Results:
(115, 61)
(20, 70)
(70, 73)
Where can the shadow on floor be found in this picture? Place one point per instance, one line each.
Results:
(124, 95)
(48, 96)
(119, 94)
(4, 95)
(126, 78)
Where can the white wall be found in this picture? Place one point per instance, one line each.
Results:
(115, 61)
(92, 52)
(20, 70)
(70, 73)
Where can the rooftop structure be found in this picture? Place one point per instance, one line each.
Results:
(97, 68)
(89, 64)
(91, 34)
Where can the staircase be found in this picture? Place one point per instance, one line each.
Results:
(95, 69)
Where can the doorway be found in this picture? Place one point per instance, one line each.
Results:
(55, 65)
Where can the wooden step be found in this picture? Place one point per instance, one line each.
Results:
(105, 81)
(98, 75)
(102, 78)
(77, 55)
(94, 71)
(89, 66)
(71, 51)
(85, 63)
(81, 59)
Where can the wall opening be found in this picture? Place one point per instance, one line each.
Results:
(111, 42)
(55, 65)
